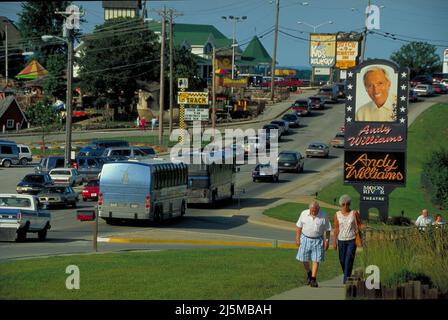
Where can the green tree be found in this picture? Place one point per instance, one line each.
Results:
(420, 57)
(436, 173)
(114, 57)
(43, 115)
(185, 66)
(55, 84)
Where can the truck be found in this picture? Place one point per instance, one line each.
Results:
(21, 214)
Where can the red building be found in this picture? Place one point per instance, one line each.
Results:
(11, 114)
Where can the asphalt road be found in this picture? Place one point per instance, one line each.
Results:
(71, 236)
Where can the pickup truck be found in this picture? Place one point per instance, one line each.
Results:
(20, 214)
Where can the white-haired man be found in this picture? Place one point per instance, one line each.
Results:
(382, 106)
(313, 239)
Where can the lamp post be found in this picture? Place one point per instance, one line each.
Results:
(68, 105)
(235, 20)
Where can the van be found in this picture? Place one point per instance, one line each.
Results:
(9, 153)
(96, 147)
(48, 163)
(25, 154)
(129, 152)
(330, 93)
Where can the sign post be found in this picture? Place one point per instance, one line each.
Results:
(188, 98)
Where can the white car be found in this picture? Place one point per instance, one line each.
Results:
(424, 90)
(66, 176)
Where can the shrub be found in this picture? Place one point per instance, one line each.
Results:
(399, 221)
(435, 177)
(405, 275)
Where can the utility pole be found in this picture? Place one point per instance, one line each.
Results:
(162, 75)
(364, 40)
(213, 90)
(274, 56)
(6, 54)
(68, 105)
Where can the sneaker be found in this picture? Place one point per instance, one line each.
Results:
(313, 283)
(308, 278)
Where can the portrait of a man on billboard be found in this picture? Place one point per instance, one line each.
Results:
(376, 99)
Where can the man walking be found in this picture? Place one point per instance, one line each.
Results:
(312, 226)
(423, 220)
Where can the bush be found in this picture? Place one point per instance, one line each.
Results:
(435, 177)
(405, 275)
(399, 221)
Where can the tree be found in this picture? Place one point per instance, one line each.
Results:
(420, 57)
(114, 57)
(43, 115)
(55, 84)
(435, 170)
(185, 66)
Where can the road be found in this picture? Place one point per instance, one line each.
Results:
(71, 236)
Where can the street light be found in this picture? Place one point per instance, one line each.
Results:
(315, 26)
(235, 20)
(68, 104)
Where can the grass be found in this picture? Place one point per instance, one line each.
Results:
(172, 274)
(428, 133)
(291, 211)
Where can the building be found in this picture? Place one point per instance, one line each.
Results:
(255, 58)
(122, 9)
(14, 41)
(11, 115)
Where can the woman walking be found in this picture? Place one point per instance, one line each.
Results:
(347, 224)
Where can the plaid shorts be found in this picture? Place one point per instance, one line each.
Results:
(311, 249)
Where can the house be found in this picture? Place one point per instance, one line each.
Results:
(121, 9)
(255, 58)
(11, 115)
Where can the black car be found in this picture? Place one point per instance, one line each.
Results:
(293, 119)
(317, 102)
(34, 183)
(290, 161)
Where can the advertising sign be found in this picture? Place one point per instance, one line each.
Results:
(200, 98)
(322, 50)
(227, 82)
(196, 114)
(346, 54)
(285, 72)
(322, 71)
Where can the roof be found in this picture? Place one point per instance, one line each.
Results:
(136, 4)
(5, 103)
(257, 52)
(33, 70)
(13, 32)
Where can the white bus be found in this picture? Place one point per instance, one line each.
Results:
(151, 190)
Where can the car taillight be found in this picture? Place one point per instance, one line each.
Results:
(147, 201)
(100, 198)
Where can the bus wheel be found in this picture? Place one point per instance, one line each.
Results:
(158, 215)
(182, 209)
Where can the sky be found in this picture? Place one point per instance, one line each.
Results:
(408, 20)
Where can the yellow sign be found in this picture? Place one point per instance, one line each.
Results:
(285, 72)
(200, 98)
(322, 50)
(227, 82)
(346, 54)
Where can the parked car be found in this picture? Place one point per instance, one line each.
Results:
(301, 107)
(330, 93)
(66, 176)
(439, 88)
(338, 140)
(342, 87)
(439, 76)
(48, 163)
(149, 151)
(96, 147)
(293, 119)
(59, 195)
(130, 152)
(424, 90)
(317, 102)
(413, 96)
(25, 154)
(21, 214)
(9, 153)
(265, 172)
(34, 183)
(317, 149)
(422, 79)
(88, 167)
(254, 144)
(91, 190)
(290, 161)
(282, 124)
(270, 129)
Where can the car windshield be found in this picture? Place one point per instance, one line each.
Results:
(35, 179)
(287, 157)
(300, 104)
(61, 172)
(315, 99)
(93, 183)
(14, 202)
(289, 117)
(340, 135)
(54, 190)
(316, 146)
(278, 123)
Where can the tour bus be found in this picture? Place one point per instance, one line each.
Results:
(210, 181)
(151, 190)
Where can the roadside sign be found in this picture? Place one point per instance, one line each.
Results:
(322, 71)
(200, 98)
(182, 83)
(196, 114)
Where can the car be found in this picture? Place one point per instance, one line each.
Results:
(290, 161)
(270, 129)
(413, 96)
(96, 147)
(439, 76)
(88, 167)
(149, 151)
(422, 79)
(282, 124)
(301, 107)
(47, 163)
(424, 90)
(293, 119)
(130, 152)
(338, 140)
(58, 195)
(342, 87)
(253, 145)
(25, 154)
(317, 149)
(330, 93)
(91, 190)
(265, 172)
(66, 176)
(21, 214)
(9, 153)
(439, 88)
(317, 102)
(34, 183)
(444, 82)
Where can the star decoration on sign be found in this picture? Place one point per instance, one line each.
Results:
(401, 120)
(403, 98)
(349, 97)
(350, 86)
(403, 87)
(402, 109)
(350, 74)
(403, 74)
(349, 108)
(349, 119)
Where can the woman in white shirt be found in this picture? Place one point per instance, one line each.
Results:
(347, 223)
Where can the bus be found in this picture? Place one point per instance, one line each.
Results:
(147, 190)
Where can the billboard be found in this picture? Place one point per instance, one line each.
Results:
(200, 98)
(322, 50)
(196, 114)
(347, 53)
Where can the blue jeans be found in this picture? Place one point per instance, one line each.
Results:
(347, 251)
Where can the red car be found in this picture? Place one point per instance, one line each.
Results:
(439, 88)
(91, 190)
(301, 107)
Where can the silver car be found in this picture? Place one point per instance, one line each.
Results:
(424, 90)
(59, 195)
(317, 149)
